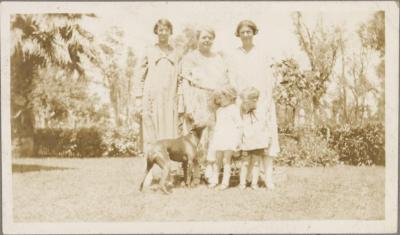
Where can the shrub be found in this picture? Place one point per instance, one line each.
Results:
(121, 142)
(49, 142)
(305, 148)
(89, 142)
(360, 145)
(85, 142)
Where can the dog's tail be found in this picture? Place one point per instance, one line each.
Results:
(149, 165)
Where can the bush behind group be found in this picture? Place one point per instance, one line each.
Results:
(85, 142)
(300, 147)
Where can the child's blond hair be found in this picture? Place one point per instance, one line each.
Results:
(250, 93)
(226, 91)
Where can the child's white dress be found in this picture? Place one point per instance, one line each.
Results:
(252, 69)
(256, 132)
(228, 129)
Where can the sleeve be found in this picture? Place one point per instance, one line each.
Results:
(185, 88)
(141, 74)
(180, 89)
(226, 73)
(187, 66)
(230, 74)
(270, 83)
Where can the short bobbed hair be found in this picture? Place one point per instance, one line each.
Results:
(250, 93)
(207, 30)
(163, 22)
(247, 23)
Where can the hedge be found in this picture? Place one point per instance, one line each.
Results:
(360, 145)
(299, 147)
(304, 148)
(85, 142)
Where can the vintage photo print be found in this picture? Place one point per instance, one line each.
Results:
(199, 117)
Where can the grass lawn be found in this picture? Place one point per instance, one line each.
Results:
(106, 190)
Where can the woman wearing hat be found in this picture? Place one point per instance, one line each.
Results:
(248, 67)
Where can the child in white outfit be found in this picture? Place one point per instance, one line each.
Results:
(256, 135)
(227, 136)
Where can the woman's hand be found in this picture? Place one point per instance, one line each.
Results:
(188, 117)
(181, 105)
(139, 104)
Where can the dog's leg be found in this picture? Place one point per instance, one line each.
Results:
(165, 172)
(185, 173)
(189, 172)
(149, 165)
(196, 173)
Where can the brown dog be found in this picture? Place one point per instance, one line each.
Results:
(182, 149)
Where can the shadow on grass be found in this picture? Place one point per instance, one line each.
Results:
(23, 168)
(233, 181)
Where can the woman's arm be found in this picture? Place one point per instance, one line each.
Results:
(140, 75)
(180, 89)
(184, 77)
(271, 122)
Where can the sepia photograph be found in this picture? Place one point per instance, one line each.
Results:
(199, 117)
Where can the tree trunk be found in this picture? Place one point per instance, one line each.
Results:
(293, 117)
(24, 127)
(345, 116)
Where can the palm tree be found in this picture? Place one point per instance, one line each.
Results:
(40, 41)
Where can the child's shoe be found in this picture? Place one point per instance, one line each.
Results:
(269, 185)
(242, 187)
(212, 185)
(222, 187)
(254, 187)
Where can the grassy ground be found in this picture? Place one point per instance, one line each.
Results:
(104, 190)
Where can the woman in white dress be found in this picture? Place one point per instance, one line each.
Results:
(249, 67)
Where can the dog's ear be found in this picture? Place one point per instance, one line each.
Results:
(197, 131)
(189, 121)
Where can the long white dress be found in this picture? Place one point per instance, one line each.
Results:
(251, 69)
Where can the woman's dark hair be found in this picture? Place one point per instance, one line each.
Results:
(163, 22)
(247, 23)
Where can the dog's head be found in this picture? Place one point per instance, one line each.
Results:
(197, 130)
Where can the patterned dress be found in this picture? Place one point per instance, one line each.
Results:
(201, 76)
(158, 84)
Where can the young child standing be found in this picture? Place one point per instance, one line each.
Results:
(256, 136)
(227, 136)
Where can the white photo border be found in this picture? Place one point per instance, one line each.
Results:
(388, 225)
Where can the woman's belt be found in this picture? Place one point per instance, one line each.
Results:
(193, 84)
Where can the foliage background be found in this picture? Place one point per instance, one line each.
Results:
(72, 85)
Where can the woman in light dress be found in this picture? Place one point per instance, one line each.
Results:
(203, 72)
(249, 67)
(156, 89)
